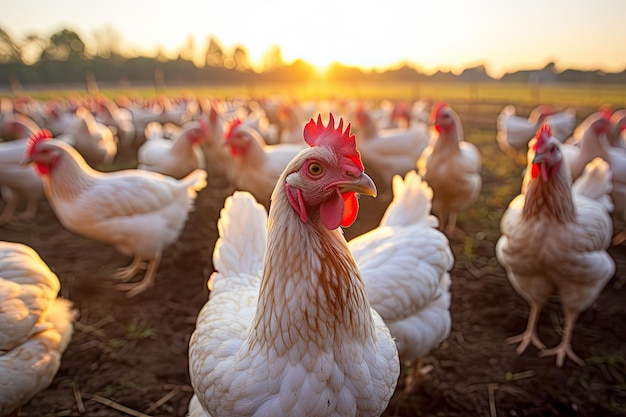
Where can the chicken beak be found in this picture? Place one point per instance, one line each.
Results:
(25, 162)
(362, 184)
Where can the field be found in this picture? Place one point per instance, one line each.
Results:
(129, 356)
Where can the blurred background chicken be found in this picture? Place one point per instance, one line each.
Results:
(513, 131)
(18, 182)
(35, 326)
(256, 166)
(137, 211)
(389, 152)
(451, 167)
(93, 140)
(176, 157)
(288, 328)
(554, 241)
(404, 263)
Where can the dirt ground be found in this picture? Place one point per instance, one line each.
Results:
(129, 356)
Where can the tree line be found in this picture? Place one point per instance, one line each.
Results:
(64, 58)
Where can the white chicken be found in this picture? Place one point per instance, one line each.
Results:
(120, 121)
(18, 182)
(554, 241)
(451, 167)
(139, 212)
(176, 157)
(617, 134)
(514, 131)
(35, 326)
(404, 263)
(257, 166)
(279, 337)
(93, 140)
(389, 152)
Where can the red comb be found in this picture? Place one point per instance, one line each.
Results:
(543, 133)
(231, 128)
(35, 138)
(316, 134)
(436, 109)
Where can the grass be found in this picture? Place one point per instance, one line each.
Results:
(576, 95)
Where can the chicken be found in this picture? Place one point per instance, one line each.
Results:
(389, 152)
(257, 166)
(451, 167)
(17, 126)
(120, 121)
(279, 337)
(617, 135)
(404, 263)
(514, 131)
(139, 212)
(554, 241)
(35, 326)
(176, 157)
(93, 140)
(18, 182)
(292, 119)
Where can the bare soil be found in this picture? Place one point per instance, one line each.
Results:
(129, 356)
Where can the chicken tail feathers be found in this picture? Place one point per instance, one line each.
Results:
(62, 315)
(596, 183)
(240, 249)
(412, 200)
(196, 180)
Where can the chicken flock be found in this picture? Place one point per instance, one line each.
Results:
(299, 320)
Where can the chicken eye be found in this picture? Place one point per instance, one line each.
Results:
(315, 169)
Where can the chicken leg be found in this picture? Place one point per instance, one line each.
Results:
(565, 347)
(126, 273)
(530, 334)
(416, 378)
(134, 288)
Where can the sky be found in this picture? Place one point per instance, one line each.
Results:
(450, 35)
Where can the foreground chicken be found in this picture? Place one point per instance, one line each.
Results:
(35, 326)
(554, 241)
(288, 329)
(139, 212)
(404, 263)
(451, 167)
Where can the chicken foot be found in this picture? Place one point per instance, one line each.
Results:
(126, 273)
(530, 334)
(134, 288)
(565, 347)
(416, 378)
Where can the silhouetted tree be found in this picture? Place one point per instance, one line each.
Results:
(108, 42)
(65, 45)
(240, 59)
(10, 51)
(214, 54)
(273, 58)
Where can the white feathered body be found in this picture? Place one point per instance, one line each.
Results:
(35, 325)
(139, 212)
(258, 166)
(558, 246)
(389, 152)
(18, 181)
(452, 168)
(252, 357)
(176, 157)
(404, 263)
(514, 131)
